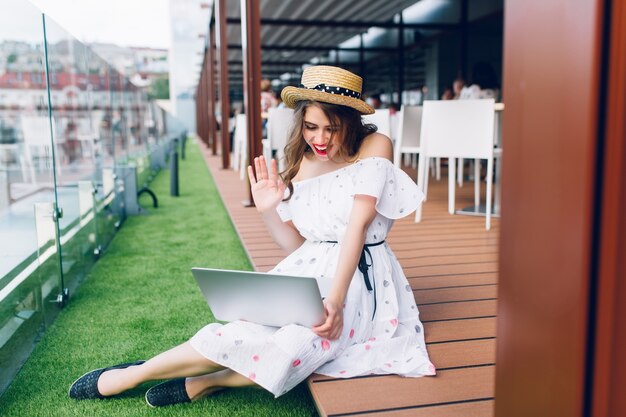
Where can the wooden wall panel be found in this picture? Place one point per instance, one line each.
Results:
(552, 58)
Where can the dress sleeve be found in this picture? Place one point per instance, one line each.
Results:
(283, 209)
(396, 193)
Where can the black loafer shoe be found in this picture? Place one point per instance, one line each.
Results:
(86, 387)
(168, 393)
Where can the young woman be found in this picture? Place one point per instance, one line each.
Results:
(331, 210)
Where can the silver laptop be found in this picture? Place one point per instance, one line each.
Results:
(269, 299)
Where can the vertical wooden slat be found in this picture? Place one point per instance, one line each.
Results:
(198, 97)
(212, 91)
(203, 97)
(207, 94)
(551, 83)
(251, 51)
(222, 48)
(609, 377)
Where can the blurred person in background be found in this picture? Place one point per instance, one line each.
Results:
(484, 83)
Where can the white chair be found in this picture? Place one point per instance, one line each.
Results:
(408, 140)
(279, 123)
(457, 129)
(497, 154)
(240, 145)
(394, 126)
(381, 119)
(475, 164)
(498, 107)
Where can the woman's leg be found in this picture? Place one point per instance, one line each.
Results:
(180, 361)
(201, 386)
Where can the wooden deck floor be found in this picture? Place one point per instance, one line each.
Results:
(452, 265)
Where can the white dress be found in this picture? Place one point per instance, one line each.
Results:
(381, 336)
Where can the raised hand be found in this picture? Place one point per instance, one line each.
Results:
(267, 188)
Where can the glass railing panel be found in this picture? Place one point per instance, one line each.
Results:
(118, 118)
(108, 210)
(78, 160)
(26, 185)
(70, 128)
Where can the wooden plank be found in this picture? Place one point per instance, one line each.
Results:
(477, 408)
(463, 354)
(392, 391)
(453, 280)
(269, 252)
(455, 259)
(466, 268)
(440, 331)
(399, 247)
(439, 295)
(420, 253)
(460, 310)
(417, 238)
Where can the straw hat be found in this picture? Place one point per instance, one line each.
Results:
(329, 85)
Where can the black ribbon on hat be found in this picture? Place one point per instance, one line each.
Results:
(335, 90)
(364, 267)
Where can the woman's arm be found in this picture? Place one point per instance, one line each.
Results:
(284, 234)
(268, 191)
(361, 216)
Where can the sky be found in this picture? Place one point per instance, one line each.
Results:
(123, 22)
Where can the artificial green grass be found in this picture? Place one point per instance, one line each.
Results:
(139, 300)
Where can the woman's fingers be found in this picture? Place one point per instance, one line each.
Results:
(325, 327)
(263, 164)
(337, 333)
(273, 174)
(251, 176)
(257, 169)
(260, 166)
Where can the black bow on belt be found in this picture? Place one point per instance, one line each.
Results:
(364, 267)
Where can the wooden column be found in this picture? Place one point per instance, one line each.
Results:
(552, 90)
(208, 114)
(212, 91)
(251, 51)
(198, 97)
(609, 377)
(203, 98)
(222, 48)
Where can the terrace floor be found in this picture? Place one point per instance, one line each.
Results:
(452, 265)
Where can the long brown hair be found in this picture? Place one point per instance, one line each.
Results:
(349, 132)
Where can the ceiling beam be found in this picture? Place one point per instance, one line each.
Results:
(316, 48)
(342, 24)
(274, 63)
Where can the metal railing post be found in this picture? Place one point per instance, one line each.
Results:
(174, 170)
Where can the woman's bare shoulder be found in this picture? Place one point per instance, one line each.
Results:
(376, 144)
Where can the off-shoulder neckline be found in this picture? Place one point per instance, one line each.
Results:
(341, 169)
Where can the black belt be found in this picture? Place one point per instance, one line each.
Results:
(364, 266)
